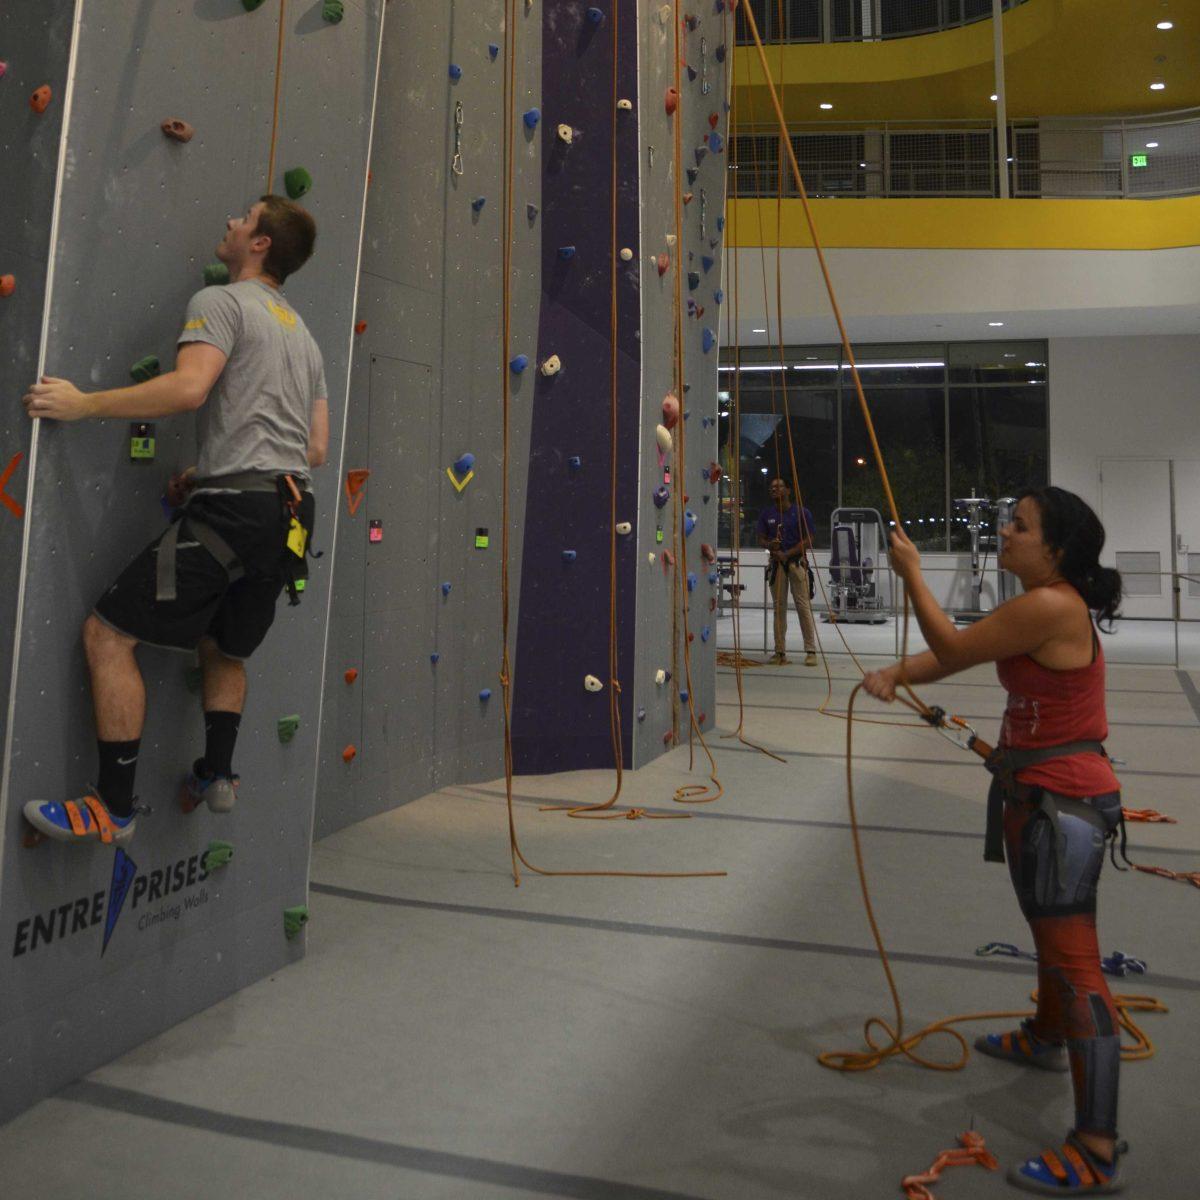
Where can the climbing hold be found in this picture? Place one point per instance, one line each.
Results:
(668, 560)
(595, 16)
(660, 677)
(671, 101)
(251, 5)
(40, 100)
(663, 436)
(592, 683)
(693, 173)
(691, 638)
(348, 754)
(625, 105)
(297, 182)
(720, 224)
(551, 366)
(356, 480)
(664, 14)
(712, 577)
(650, 557)
(218, 855)
(286, 727)
(699, 154)
(708, 340)
(668, 738)
(661, 496)
(670, 239)
(493, 51)
(574, 462)
(333, 11)
(705, 632)
(566, 134)
(683, 696)
(3, 69)
(670, 410)
(478, 203)
(624, 528)
(641, 714)
(531, 118)
(691, 581)
(664, 263)
(714, 473)
(145, 368)
(707, 262)
(177, 130)
(433, 658)
(626, 254)
(707, 553)
(464, 464)
(691, 74)
(707, 421)
(519, 364)
(455, 72)
(295, 918)
(687, 197)
(693, 280)
(568, 556)
(351, 675)
(689, 523)
(485, 694)
(216, 275)
(716, 143)
(719, 296)
(566, 252)
(531, 211)
(8, 285)
(445, 589)
(700, 312)
(719, 53)
(713, 119)
(360, 327)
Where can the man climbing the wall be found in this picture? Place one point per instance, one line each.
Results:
(248, 367)
(785, 530)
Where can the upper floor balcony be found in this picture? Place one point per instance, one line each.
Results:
(862, 20)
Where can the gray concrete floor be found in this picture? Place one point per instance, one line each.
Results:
(450, 1036)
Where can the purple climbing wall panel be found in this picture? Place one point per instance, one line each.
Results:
(563, 631)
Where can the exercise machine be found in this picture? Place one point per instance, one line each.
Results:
(1006, 582)
(977, 508)
(857, 547)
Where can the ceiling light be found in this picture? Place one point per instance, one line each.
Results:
(758, 331)
(1157, 87)
(826, 106)
(764, 470)
(1033, 364)
(1151, 145)
(995, 324)
(862, 164)
(1165, 25)
(1009, 354)
(993, 96)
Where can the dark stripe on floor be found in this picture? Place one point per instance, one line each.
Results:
(362, 1149)
(973, 963)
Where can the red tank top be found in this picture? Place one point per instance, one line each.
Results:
(1046, 708)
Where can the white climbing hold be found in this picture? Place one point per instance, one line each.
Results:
(592, 683)
(566, 134)
(665, 442)
(650, 557)
(670, 239)
(626, 254)
(660, 677)
(624, 527)
(552, 365)
(664, 15)
(625, 105)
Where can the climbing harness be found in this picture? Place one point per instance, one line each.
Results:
(456, 162)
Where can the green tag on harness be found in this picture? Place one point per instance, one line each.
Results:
(481, 539)
(141, 441)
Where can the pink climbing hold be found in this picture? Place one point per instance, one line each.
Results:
(670, 410)
(664, 263)
(671, 101)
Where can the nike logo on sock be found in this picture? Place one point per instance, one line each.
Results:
(126, 762)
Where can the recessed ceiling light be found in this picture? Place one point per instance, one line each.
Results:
(826, 105)
(1157, 87)
(1151, 145)
(1165, 25)
(995, 324)
(1009, 354)
(862, 164)
(758, 331)
(993, 96)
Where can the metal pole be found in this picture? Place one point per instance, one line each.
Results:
(1001, 100)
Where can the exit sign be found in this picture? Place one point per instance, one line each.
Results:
(1139, 160)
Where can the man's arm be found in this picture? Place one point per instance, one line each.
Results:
(318, 433)
(197, 367)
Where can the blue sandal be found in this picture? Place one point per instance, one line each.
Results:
(83, 820)
(1072, 1170)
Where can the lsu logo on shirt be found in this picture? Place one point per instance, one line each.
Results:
(196, 323)
(284, 316)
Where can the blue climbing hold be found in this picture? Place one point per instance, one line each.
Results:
(708, 340)
(713, 577)
(719, 296)
(693, 280)
(433, 658)
(715, 142)
(532, 117)
(455, 72)
(706, 422)
(719, 53)
(485, 694)
(595, 16)
(689, 523)
(720, 224)
(531, 211)
(661, 495)
(566, 252)
(463, 464)
(705, 633)
(478, 203)
(519, 363)
(707, 262)
(568, 555)
(691, 582)
(700, 152)
(445, 589)
(493, 51)
(574, 462)
(683, 696)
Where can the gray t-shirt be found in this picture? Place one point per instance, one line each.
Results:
(257, 415)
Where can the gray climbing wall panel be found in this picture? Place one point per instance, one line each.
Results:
(426, 389)
(86, 975)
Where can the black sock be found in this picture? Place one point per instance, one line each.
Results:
(118, 765)
(220, 737)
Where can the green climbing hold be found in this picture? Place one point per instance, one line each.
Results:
(294, 919)
(251, 5)
(333, 11)
(216, 275)
(298, 182)
(288, 727)
(218, 855)
(145, 368)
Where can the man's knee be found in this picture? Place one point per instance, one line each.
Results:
(100, 639)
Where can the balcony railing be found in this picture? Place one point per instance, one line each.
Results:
(1055, 157)
(862, 20)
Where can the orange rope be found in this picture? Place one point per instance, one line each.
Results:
(278, 81)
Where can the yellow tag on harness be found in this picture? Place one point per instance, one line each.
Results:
(297, 539)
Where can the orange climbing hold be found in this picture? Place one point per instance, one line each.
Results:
(351, 675)
(348, 754)
(178, 130)
(971, 1149)
(17, 510)
(360, 327)
(8, 285)
(671, 103)
(355, 482)
(664, 263)
(40, 100)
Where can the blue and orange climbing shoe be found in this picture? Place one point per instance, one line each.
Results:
(1071, 1170)
(83, 820)
(219, 792)
(1025, 1047)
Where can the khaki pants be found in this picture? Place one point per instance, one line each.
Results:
(797, 578)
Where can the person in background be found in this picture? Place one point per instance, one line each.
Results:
(785, 530)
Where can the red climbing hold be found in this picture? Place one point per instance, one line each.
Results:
(713, 119)
(177, 130)
(668, 738)
(668, 560)
(17, 510)
(351, 675)
(687, 197)
(360, 327)
(707, 553)
(671, 102)
(8, 285)
(701, 718)
(670, 410)
(664, 263)
(348, 754)
(40, 100)
(355, 482)
(715, 473)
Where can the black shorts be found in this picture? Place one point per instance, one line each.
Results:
(235, 615)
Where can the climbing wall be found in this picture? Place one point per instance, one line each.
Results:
(413, 698)
(103, 950)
